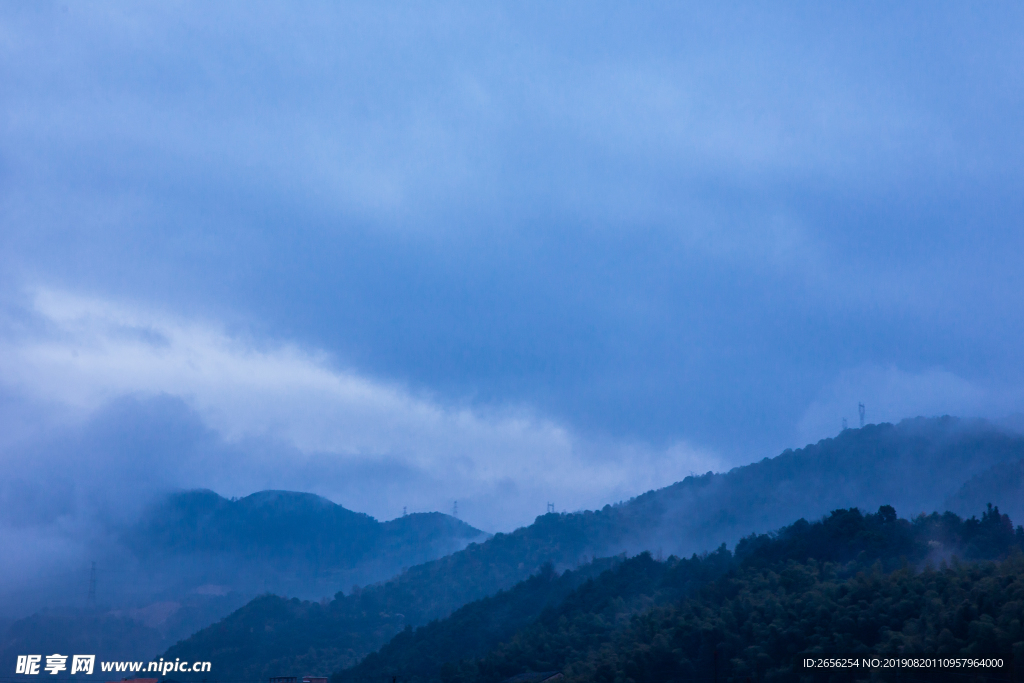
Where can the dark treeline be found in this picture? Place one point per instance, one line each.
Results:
(848, 584)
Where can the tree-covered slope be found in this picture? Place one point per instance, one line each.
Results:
(916, 465)
(850, 583)
(473, 629)
(428, 652)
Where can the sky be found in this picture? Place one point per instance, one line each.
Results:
(501, 253)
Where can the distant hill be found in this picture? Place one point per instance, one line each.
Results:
(915, 465)
(195, 556)
(283, 542)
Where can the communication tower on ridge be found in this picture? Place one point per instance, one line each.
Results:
(455, 509)
(844, 424)
(860, 409)
(551, 507)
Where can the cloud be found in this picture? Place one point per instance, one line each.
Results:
(890, 394)
(154, 400)
(657, 223)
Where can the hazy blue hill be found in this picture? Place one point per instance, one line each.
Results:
(915, 465)
(283, 541)
(195, 556)
(304, 545)
(424, 536)
(264, 526)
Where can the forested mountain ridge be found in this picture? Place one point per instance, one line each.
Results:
(849, 583)
(916, 464)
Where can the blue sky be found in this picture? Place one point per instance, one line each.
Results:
(504, 253)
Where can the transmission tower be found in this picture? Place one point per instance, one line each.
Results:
(404, 508)
(455, 509)
(92, 585)
(844, 424)
(551, 507)
(860, 409)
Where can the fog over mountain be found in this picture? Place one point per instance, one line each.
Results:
(194, 546)
(192, 557)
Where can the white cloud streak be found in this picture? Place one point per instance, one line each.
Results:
(289, 418)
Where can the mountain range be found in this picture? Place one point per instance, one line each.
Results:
(214, 573)
(918, 465)
(193, 557)
(851, 583)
